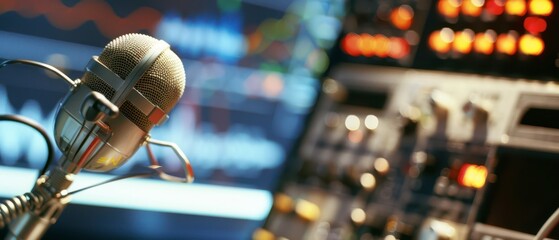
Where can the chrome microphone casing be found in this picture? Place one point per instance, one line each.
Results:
(119, 140)
(120, 137)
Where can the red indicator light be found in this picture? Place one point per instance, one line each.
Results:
(350, 44)
(535, 25)
(495, 7)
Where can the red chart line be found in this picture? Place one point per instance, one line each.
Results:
(99, 12)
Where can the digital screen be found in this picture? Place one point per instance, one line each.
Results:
(522, 180)
(251, 79)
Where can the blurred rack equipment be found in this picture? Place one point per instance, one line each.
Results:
(437, 120)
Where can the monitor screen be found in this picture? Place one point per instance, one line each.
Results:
(252, 70)
(522, 180)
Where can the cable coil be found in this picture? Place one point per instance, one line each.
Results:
(17, 206)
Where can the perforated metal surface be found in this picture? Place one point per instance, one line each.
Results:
(163, 83)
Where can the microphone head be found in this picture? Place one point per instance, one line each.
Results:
(163, 83)
(139, 75)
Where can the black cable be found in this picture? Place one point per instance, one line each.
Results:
(40, 64)
(38, 128)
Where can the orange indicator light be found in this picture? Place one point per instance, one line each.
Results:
(440, 41)
(402, 17)
(506, 43)
(463, 41)
(449, 8)
(472, 7)
(515, 7)
(484, 42)
(473, 176)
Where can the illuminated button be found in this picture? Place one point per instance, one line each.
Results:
(506, 43)
(531, 45)
(402, 17)
(381, 165)
(263, 234)
(484, 42)
(463, 41)
(535, 25)
(371, 122)
(382, 45)
(495, 7)
(440, 41)
(352, 122)
(515, 7)
(367, 45)
(283, 203)
(472, 7)
(449, 8)
(399, 48)
(350, 44)
(541, 7)
(358, 216)
(307, 210)
(368, 181)
(471, 175)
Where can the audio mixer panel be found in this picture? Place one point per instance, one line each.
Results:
(437, 120)
(407, 154)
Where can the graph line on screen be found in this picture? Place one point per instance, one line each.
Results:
(99, 12)
(241, 151)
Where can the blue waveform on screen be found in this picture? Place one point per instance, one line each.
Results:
(241, 151)
(204, 36)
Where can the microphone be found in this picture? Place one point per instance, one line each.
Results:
(138, 74)
(106, 117)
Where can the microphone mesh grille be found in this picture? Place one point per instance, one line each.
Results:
(163, 83)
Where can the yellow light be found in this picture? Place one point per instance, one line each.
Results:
(307, 210)
(381, 165)
(506, 43)
(448, 8)
(472, 7)
(541, 7)
(371, 122)
(463, 41)
(263, 234)
(531, 45)
(283, 203)
(440, 40)
(402, 17)
(368, 181)
(352, 122)
(472, 175)
(515, 7)
(358, 216)
(484, 42)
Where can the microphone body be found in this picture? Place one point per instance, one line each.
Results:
(136, 76)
